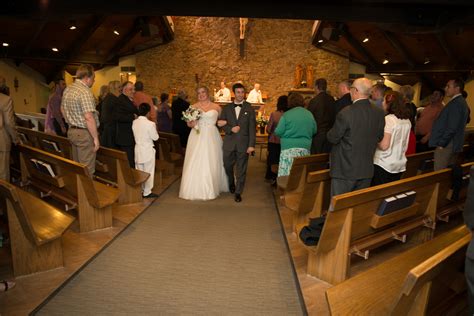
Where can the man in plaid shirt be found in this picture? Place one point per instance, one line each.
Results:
(78, 106)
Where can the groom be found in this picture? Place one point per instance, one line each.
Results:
(238, 122)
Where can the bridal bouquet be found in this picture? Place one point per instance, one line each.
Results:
(192, 114)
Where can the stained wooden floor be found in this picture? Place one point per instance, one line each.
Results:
(78, 248)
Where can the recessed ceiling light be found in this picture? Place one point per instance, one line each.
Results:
(54, 49)
(72, 27)
(5, 44)
(116, 32)
(385, 61)
(320, 41)
(365, 40)
(427, 61)
(129, 73)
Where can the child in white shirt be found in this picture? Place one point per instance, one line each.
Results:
(145, 133)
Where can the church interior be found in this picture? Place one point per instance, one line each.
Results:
(75, 244)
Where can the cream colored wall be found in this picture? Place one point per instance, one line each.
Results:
(32, 93)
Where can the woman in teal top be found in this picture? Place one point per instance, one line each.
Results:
(295, 129)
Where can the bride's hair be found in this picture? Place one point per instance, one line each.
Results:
(203, 87)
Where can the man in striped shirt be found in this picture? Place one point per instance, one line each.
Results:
(78, 107)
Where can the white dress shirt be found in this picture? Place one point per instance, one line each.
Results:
(145, 133)
(223, 95)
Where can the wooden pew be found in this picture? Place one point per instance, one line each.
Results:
(35, 231)
(315, 198)
(57, 145)
(167, 160)
(418, 163)
(404, 285)
(113, 167)
(295, 181)
(174, 142)
(72, 186)
(446, 205)
(353, 227)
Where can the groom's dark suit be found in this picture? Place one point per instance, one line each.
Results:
(236, 144)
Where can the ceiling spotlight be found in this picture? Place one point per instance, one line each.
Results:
(116, 32)
(72, 27)
(365, 40)
(5, 44)
(54, 49)
(427, 61)
(320, 41)
(385, 61)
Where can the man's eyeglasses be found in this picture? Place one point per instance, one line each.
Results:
(352, 87)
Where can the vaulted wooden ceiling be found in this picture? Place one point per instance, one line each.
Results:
(407, 33)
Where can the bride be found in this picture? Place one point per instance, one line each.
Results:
(203, 171)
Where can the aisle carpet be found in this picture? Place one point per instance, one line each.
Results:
(182, 257)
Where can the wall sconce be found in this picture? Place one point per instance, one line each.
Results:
(16, 84)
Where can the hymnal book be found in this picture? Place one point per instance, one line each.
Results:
(51, 145)
(397, 202)
(43, 167)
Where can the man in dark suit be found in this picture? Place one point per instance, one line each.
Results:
(125, 113)
(469, 263)
(179, 126)
(358, 129)
(447, 133)
(238, 121)
(322, 108)
(344, 89)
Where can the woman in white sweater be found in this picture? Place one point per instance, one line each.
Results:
(389, 159)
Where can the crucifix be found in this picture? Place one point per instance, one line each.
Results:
(243, 24)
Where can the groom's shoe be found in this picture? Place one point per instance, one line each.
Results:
(232, 188)
(238, 198)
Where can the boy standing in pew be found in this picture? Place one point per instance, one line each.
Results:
(144, 131)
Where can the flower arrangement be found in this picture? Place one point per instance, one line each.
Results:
(262, 121)
(192, 114)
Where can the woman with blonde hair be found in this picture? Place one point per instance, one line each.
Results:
(107, 121)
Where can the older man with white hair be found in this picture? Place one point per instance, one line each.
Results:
(357, 130)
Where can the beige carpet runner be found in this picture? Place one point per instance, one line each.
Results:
(182, 257)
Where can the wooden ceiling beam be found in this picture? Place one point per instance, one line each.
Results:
(39, 29)
(113, 52)
(355, 44)
(446, 49)
(403, 69)
(398, 47)
(79, 43)
(58, 60)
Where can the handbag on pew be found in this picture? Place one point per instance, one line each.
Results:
(310, 234)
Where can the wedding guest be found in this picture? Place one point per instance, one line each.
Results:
(124, 115)
(426, 118)
(8, 135)
(110, 104)
(296, 129)
(3, 86)
(141, 97)
(54, 122)
(144, 132)
(389, 159)
(377, 93)
(274, 146)
(255, 95)
(179, 126)
(344, 91)
(164, 115)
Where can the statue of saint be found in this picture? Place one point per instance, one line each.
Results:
(298, 76)
(243, 24)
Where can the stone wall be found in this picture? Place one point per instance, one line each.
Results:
(206, 50)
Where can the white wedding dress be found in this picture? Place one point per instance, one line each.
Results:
(204, 176)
